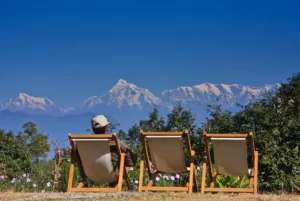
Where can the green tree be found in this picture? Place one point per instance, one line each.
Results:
(37, 142)
(15, 156)
(154, 122)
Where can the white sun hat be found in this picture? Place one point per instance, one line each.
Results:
(99, 121)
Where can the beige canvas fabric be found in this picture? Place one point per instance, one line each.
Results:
(96, 160)
(167, 154)
(230, 156)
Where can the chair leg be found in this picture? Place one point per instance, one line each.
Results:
(255, 186)
(71, 173)
(213, 180)
(120, 182)
(126, 178)
(191, 177)
(203, 177)
(141, 176)
(195, 180)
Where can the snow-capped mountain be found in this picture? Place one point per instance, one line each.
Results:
(31, 104)
(128, 95)
(206, 93)
(124, 94)
(25, 101)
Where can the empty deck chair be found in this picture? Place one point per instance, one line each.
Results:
(230, 159)
(166, 152)
(92, 154)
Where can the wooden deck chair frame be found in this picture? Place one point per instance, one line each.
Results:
(253, 184)
(75, 158)
(192, 183)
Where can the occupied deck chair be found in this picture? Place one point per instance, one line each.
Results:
(230, 159)
(92, 154)
(166, 152)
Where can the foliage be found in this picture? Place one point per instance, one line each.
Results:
(232, 182)
(15, 157)
(26, 168)
(37, 142)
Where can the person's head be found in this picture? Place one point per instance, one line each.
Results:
(100, 124)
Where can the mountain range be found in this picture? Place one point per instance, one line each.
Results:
(125, 103)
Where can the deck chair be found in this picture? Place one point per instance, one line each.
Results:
(166, 152)
(230, 159)
(92, 154)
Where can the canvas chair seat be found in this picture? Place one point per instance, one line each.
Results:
(162, 160)
(230, 159)
(92, 154)
(230, 156)
(96, 160)
(166, 152)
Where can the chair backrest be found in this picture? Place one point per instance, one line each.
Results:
(230, 153)
(166, 150)
(95, 156)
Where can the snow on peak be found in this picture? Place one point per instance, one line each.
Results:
(122, 82)
(208, 92)
(124, 94)
(25, 101)
(92, 101)
(131, 95)
(272, 87)
(66, 110)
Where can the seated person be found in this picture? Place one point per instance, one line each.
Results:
(100, 125)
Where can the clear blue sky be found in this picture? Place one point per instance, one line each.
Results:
(71, 50)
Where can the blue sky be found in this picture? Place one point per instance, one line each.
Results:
(71, 50)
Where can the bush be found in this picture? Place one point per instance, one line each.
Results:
(15, 156)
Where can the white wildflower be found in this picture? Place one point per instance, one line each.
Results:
(166, 177)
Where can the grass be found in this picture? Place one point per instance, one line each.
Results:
(156, 197)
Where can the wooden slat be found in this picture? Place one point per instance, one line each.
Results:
(115, 138)
(94, 190)
(230, 190)
(207, 151)
(154, 188)
(203, 175)
(255, 185)
(252, 147)
(141, 176)
(161, 133)
(71, 173)
(188, 143)
(146, 155)
(91, 136)
(227, 135)
(121, 172)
